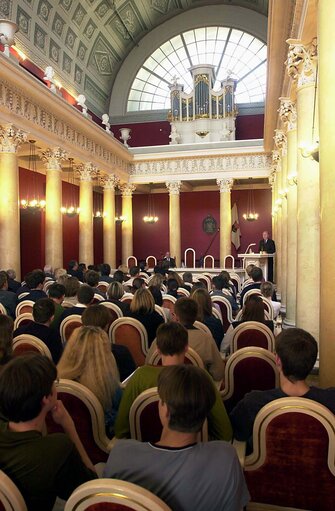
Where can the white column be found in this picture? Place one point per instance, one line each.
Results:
(174, 220)
(127, 225)
(225, 186)
(109, 240)
(280, 141)
(86, 173)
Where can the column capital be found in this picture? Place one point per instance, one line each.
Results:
(288, 113)
(127, 189)
(86, 171)
(280, 140)
(173, 187)
(109, 181)
(53, 158)
(272, 179)
(275, 161)
(301, 61)
(10, 138)
(225, 185)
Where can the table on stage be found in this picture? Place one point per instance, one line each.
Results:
(261, 260)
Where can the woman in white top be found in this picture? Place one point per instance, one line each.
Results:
(267, 289)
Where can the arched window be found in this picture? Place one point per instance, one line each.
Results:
(231, 51)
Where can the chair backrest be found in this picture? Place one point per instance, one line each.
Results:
(247, 282)
(168, 302)
(252, 333)
(47, 284)
(66, 304)
(131, 261)
(191, 357)
(113, 495)
(181, 291)
(208, 261)
(2, 309)
(144, 421)
(226, 311)
(115, 310)
(88, 416)
(103, 286)
(251, 292)
(25, 343)
(248, 369)
(130, 333)
(236, 280)
(189, 258)
(97, 298)
(293, 462)
(24, 306)
(23, 319)
(268, 307)
(68, 325)
(127, 298)
(201, 326)
(23, 294)
(161, 311)
(10, 496)
(151, 261)
(216, 314)
(205, 279)
(229, 262)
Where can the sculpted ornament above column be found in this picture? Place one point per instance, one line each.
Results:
(173, 187)
(288, 113)
(53, 158)
(11, 138)
(225, 185)
(127, 189)
(272, 179)
(302, 60)
(276, 161)
(109, 182)
(280, 141)
(86, 171)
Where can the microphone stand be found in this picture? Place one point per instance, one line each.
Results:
(209, 246)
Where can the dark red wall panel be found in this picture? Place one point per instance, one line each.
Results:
(145, 133)
(249, 127)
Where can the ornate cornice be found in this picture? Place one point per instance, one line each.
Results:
(225, 185)
(53, 158)
(301, 61)
(173, 187)
(11, 138)
(86, 171)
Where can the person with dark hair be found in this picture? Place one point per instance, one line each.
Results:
(205, 314)
(133, 272)
(172, 344)
(42, 466)
(118, 276)
(267, 245)
(100, 316)
(257, 278)
(34, 283)
(138, 283)
(85, 296)
(296, 353)
(115, 291)
(6, 338)
(92, 278)
(168, 261)
(75, 271)
(43, 314)
(72, 286)
(56, 293)
(185, 313)
(7, 298)
(188, 279)
(220, 282)
(105, 270)
(183, 472)
(268, 290)
(172, 286)
(13, 285)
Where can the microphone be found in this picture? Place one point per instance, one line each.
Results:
(249, 247)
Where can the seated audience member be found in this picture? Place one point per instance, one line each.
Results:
(7, 298)
(13, 285)
(158, 298)
(87, 359)
(75, 271)
(205, 315)
(48, 271)
(172, 344)
(188, 280)
(227, 283)
(161, 269)
(174, 275)
(172, 286)
(115, 291)
(257, 279)
(185, 312)
(85, 296)
(34, 281)
(118, 276)
(6, 338)
(72, 286)
(184, 473)
(138, 283)
(42, 466)
(199, 285)
(92, 279)
(142, 308)
(43, 314)
(133, 272)
(56, 293)
(219, 283)
(60, 274)
(267, 290)
(105, 270)
(157, 280)
(100, 316)
(296, 352)
(144, 267)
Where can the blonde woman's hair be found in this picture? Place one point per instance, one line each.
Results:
(87, 359)
(115, 290)
(143, 302)
(156, 280)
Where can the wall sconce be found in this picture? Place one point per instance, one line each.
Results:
(311, 152)
(119, 219)
(292, 179)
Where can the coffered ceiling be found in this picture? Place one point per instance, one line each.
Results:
(86, 41)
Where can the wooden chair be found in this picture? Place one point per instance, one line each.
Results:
(191, 357)
(216, 314)
(127, 298)
(2, 309)
(88, 416)
(103, 286)
(130, 333)
(201, 326)
(23, 294)
(66, 304)
(23, 319)
(98, 298)
(189, 258)
(208, 261)
(235, 278)
(113, 495)
(266, 314)
(249, 293)
(205, 279)
(168, 302)
(229, 262)
(11, 498)
(131, 261)
(47, 284)
(151, 261)
(24, 306)
(25, 343)
(144, 421)
(252, 333)
(247, 282)
(181, 291)
(293, 461)
(226, 310)
(161, 311)
(68, 325)
(248, 369)
(115, 310)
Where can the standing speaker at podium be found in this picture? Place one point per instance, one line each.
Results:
(267, 245)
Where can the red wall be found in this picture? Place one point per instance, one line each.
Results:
(249, 127)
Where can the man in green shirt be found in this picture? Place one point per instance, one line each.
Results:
(42, 466)
(172, 343)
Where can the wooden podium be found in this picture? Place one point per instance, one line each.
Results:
(261, 260)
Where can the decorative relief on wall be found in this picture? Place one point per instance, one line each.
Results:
(102, 9)
(23, 21)
(5, 8)
(79, 15)
(58, 25)
(43, 10)
(161, 6)
(203, 165)
(40, 37)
